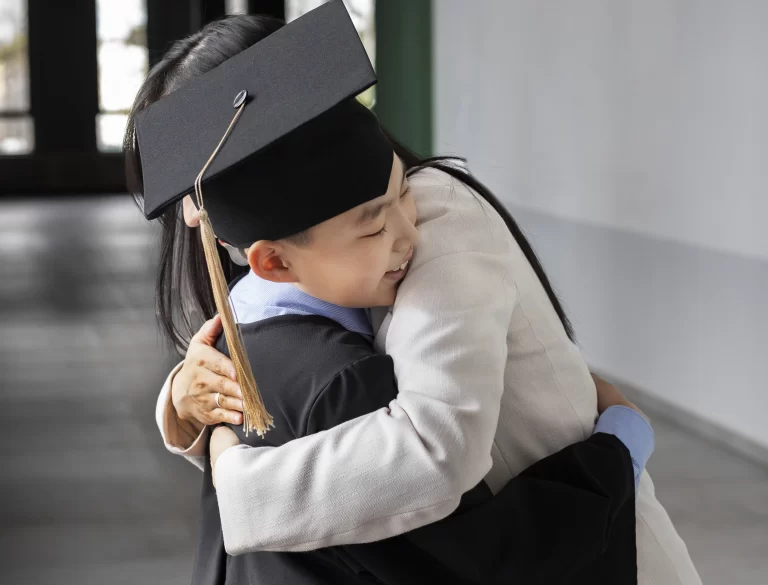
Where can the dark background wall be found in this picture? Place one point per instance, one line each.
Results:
(404, 68)
(63, 85)
(64, 91)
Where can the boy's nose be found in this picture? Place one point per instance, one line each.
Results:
(407, 236)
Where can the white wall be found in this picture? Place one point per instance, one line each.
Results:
(651, 115)
(636, 131)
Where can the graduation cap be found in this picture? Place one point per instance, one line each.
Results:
(277, 143)
(303, 149)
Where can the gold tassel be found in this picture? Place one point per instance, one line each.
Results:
(255, 415)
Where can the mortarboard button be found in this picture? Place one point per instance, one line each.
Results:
(240, 98)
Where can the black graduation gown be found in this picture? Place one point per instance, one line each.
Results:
(568, 519)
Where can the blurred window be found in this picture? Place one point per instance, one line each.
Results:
(236, 7)
(16, 129)
(123, 61)
(362, 13)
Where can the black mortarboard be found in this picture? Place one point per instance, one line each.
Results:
(303, 149)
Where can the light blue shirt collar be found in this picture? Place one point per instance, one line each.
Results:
(254, 299)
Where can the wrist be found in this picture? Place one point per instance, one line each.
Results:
(192, 426)
(187, 430)
(175, 398)
(177, 432)
(184, 419)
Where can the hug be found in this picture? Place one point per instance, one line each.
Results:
(397, 396)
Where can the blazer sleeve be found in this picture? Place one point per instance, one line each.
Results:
(407, 465)
(176, 438)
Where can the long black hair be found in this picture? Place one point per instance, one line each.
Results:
(183, 294)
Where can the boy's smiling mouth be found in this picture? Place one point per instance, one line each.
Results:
(399, 272)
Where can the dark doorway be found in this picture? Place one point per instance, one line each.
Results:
(61, 119)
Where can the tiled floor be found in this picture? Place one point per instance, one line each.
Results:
(719, 503)
(88, 493)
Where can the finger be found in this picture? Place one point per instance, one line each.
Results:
(209, 332)
(214, 361)
(208, 381)
(202, 334)
(221, 415)
(226, 402)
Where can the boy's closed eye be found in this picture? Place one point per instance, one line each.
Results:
(381, 232)
(383, 229)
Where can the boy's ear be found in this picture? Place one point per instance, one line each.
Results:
(266, 259)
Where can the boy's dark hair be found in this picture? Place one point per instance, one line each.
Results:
(183, 294)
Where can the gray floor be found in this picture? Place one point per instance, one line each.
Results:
(89, 495)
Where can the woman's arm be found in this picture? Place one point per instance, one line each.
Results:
(186, 406)
(569, 518)
(179, 437)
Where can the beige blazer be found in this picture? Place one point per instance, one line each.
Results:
(488, 384)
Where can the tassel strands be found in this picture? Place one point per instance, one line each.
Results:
(255, 415)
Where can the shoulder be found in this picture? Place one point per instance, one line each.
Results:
(358, 389)
(307, 346)
(453, 218)
(298, 358)
(438, 195)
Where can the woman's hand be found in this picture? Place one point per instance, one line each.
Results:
(206, 373)
(608, 395)
(222, 438)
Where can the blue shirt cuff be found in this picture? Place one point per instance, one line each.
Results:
(631, 428)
